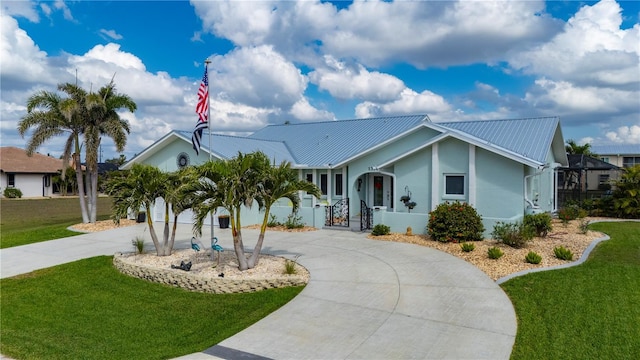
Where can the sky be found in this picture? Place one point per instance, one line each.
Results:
(306, 61)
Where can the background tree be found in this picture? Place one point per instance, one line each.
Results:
(103, 119)
(240, 182)
(573, 148)
(118, 161)
(50, 115)
(626, 197)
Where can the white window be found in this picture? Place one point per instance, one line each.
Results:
(11, 180)
(323, 184)
(454, 186)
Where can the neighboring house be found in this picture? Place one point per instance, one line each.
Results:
(31, 174)
(618, 155)
(365, 168)
(586, 177)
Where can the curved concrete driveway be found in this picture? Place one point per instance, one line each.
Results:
(366, 299)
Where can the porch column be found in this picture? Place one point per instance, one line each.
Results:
(345, 191)
(472, 175)
(329, 187)
(435, 176)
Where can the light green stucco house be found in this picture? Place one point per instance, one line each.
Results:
(366, 168)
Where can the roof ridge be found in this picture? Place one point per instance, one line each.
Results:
(354, 119)
(496, 120)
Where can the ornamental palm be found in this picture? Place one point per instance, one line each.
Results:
(51, 115)
(278, 182)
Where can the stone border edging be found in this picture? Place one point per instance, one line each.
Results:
(192, 282)
(583, 258)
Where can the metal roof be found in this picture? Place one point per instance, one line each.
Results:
(627, 149)
(226, 146)
(323, 144)
(529, 137)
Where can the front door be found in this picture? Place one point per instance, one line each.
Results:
(382, 190)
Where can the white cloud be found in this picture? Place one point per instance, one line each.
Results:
(22, 60)
(25, 9)
(592, 50)
(112, 34)
(60, 5)
(256, 76)
(410, 102)
(355, 82)
(625, 134)
(302, 110)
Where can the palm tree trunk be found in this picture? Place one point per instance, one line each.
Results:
(255, 256)
(152, 231)
(173, 233)
(93, 198)
(165, 235)
(238, 246)
(83, 204)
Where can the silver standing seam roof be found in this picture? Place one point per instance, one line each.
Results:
(626, 149)
(329, 143)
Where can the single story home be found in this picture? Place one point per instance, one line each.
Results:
(31, 174)
(395, 170)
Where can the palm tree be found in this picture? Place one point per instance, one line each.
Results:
(50, 115)
(278, 182)
(239, 182)
(573, 148)
(103, 119)
(139, 189)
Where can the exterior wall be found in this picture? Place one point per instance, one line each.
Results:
(166, 158)
(453, 159)
(31, 185)
(413, 173)
(500, 188)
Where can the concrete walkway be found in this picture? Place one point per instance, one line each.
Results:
(366, 299)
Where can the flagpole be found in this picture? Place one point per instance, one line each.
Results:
(206, 66)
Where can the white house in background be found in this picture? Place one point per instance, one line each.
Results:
(31, 174)
(619, 155)
(366, 168)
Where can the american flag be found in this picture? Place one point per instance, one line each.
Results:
(202, 109)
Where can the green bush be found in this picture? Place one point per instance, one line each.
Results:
(467, 246)
(584, 226)
(455, 222)
(563, 253)
(533, 258)
(380, 229)
(494, 253)
(626, 197)
(294, 221)
(571, 212)
(273, 221)
(540, 223)
(138, 244)
(515, 235)
(12, 193)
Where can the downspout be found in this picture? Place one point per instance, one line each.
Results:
(532, 207)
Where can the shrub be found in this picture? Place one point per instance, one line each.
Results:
(563, 253)
(626, 197)
(467, 246)
(138, 244)
(571, 212)
(584, 226)
(455, 222)
(380, 229)
(533, 258)
(12, 193)
(515, 235)
(494, 253)
(273, 221)
(540, 223)
(294, 221)
(290, 266)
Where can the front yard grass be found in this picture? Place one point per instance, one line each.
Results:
(88, 310)
(26, 221)
(590, 311)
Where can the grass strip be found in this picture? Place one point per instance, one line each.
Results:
(585, 312)
(88, 310)
(26, 221)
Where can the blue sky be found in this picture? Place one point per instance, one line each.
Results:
(315, 61)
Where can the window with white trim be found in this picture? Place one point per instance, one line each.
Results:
(338, 184)
(454, 185)
(309, 177)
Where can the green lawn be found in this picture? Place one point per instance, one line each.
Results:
(591, 311)
(88, 310)
(26, 221)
